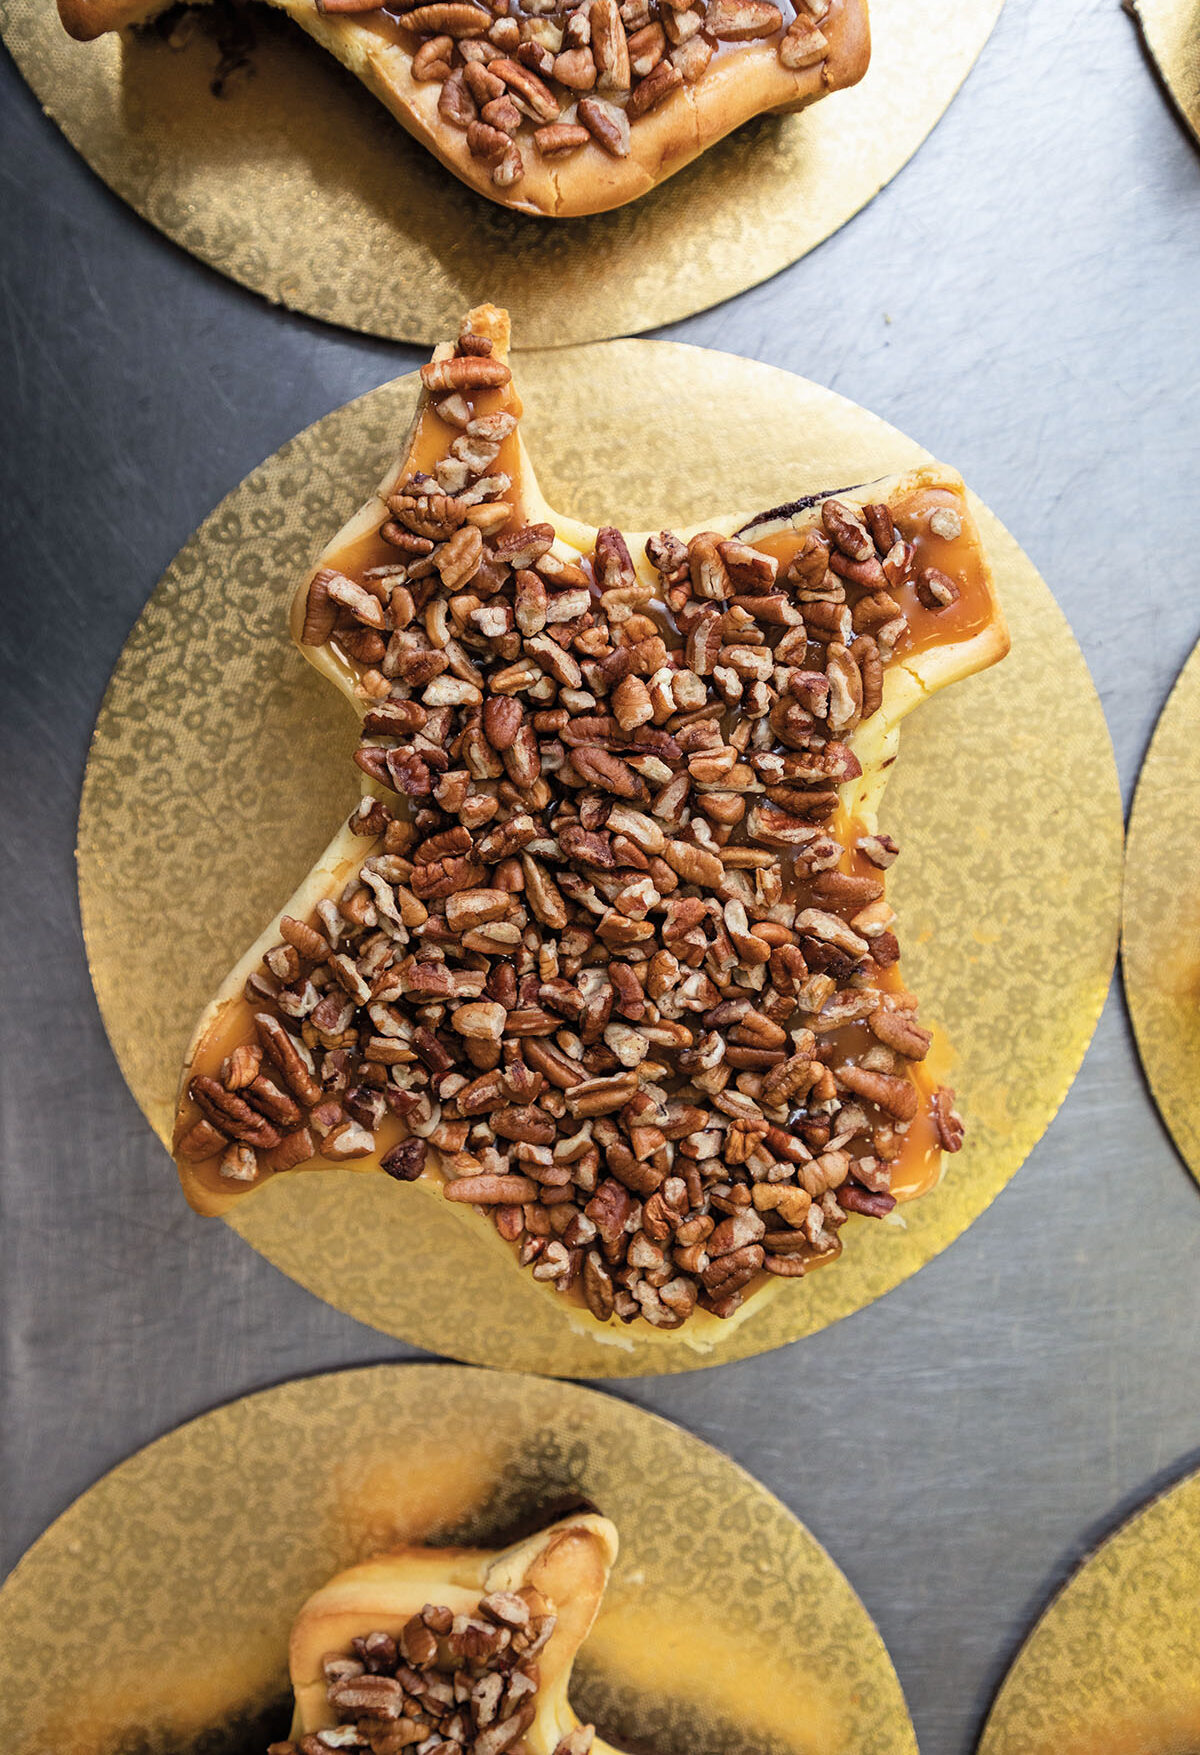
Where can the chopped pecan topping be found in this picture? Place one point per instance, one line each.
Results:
(616, 965)
(572, 77)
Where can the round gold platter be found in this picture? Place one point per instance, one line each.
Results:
(1160, 946)
(1113, 1666)
(170, 1586)
(1171, 30)
(219, 769)
(298, 184)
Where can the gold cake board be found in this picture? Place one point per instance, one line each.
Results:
(300, 185)
(220, 766)
(173, 1583)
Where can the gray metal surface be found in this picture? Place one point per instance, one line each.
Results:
(1025, 299)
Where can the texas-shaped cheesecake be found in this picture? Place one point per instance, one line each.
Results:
(604, 957)
(467, 1650)
(570, 108)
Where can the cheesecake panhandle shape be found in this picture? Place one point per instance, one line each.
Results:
(604, 956)
(463, 1648)
(576, 110)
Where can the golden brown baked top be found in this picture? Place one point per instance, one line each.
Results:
(616, 960)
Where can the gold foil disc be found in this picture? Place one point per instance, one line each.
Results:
(1160, 949)
(1172, 32)
(1113, 1666)
(220, 765)
(154, 1615)
(300, 185)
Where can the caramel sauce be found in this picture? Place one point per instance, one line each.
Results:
(387, 26)
(959, 557)
(919, 1165)
(430, 444)
(235, 1026)
(434, 436)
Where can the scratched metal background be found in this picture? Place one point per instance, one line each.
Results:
(1025, 299)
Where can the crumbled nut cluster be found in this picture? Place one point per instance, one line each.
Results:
(608, 966)
(454, 1684)
(565, 74)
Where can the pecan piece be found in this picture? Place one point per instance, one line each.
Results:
(803, 45)
(486, 142)
(597, 767)
(845, 688)
(865, 652)
(853, 1199)
(449, 18)
(481, 1021)
(294, 1148)
(443, 877)
(646, 49)
(791, 1079)
(320, 612)
(456, 106)
(362, 604)
(470, 908)
(311, 944)
(433, 60)
(607, 123)
(291, 1057)
(694, 864)
(740, 21)
(201, 1141)
(576, 69)
(610, 49)
(935, 589)
(598, 1288)
(458, 559)
(227, 1111)
(533, 93)
(650, 91)
(276, 1105)
(523, 760)
(896, 1096)
(602, 1096)
(487, 1190)
(900, 1030)
(609, 1210)
(947, 1120)
(613, 562)
(828, 929)
(558, 137)
(838, 889)
(787, 1267)
(845, 528)
(733, 1272)
(373, 1697)
(472, 372)
(552, 1063)
(241, 1067)
(946, 523)
(406, 1161)
(348, 1140)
